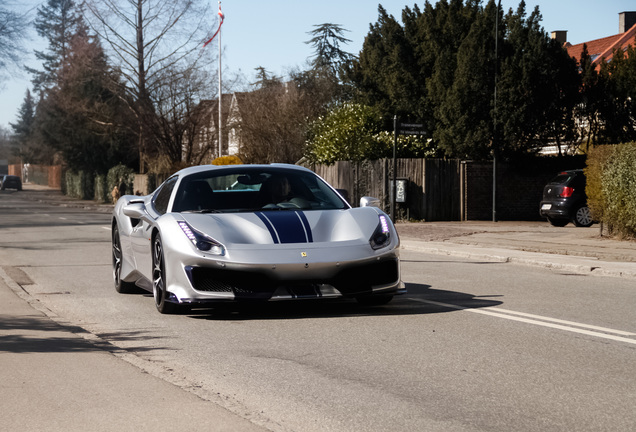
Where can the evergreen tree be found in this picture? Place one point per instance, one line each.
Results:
(265, 79)
(464, 107)
(23, 131)
(385, 74)
(56, 22)
(326, 42)
(82, 117)
(440, 68)
(618, 111)
(592, 94)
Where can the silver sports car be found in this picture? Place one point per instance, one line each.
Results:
(252, 232)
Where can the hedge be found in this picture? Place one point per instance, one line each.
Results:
(98, 187)
(611, 187)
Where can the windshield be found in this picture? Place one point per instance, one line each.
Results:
(250, 189)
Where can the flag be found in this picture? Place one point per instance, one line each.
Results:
(221, 17)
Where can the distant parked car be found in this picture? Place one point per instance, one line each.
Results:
(564, 200)
(11, 182)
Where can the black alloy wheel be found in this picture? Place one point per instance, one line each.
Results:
(159, 278)
(120, 285)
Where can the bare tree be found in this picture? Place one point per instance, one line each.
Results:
(273, 123)
(150, 39)
(181, 116)
(13, 26)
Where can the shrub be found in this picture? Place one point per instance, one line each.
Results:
(102, 194)
(597, 160)
(227, 160)
(79, 184)
(118, 176)
(619, 190)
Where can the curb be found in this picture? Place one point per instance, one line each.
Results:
(574, 264)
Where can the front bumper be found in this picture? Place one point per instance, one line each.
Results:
(218, 280)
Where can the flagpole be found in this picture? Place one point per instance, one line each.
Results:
(220, 92)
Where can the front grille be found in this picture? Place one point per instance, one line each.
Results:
(211, 285)
(352, 280)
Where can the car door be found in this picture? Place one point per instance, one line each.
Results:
(141, 235)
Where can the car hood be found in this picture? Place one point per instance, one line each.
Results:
(287, 226)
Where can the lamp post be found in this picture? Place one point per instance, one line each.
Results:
(494, 135)
(220, 94)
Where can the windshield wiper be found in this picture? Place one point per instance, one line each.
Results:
(203, 211)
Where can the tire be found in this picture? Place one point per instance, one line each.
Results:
(558, 222)
(120, 285)
(582, 217)
(159, 279)
(374, 300)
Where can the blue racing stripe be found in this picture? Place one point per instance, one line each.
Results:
(303, 219)
(288, 226)
(269, 226)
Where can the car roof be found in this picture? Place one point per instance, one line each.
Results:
(203, 168)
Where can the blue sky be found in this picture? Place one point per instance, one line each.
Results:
(272, 33)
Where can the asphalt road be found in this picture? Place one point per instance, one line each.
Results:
(473, 346)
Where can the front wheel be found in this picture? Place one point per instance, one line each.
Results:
(120, 285)
(582, 216)
(159, 279)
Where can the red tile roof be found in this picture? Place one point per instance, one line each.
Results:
(604, 47)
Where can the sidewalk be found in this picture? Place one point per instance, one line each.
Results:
(572, 249)
(58, 377)
(569, 248)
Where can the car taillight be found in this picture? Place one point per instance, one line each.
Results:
(566, 192)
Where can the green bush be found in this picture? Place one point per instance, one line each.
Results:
(102, 194)
(118, 176)
(619, 189)
(611, 187)
(597, 159)
(79, 184)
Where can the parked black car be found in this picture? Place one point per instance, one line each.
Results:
(10, 182)
(564, 200)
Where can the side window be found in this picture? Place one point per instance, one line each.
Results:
(162, 197)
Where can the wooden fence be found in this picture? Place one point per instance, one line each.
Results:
(45, 175)
(433, 187)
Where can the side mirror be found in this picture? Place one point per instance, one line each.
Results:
(367, 201)
(136, 210)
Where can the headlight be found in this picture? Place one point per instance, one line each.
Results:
(201, 241)
(382, 235)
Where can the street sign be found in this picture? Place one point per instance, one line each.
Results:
(411, 129)
(400, 190)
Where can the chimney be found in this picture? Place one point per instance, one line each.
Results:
(561, 36)
(626, 20)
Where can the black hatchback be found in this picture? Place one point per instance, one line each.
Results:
(10, 182)
(564, 200)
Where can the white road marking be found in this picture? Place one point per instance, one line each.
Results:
(569, 323)
(106, 228)
(547, 322)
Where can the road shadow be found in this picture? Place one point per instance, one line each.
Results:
(34, 334)
(420, 300)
